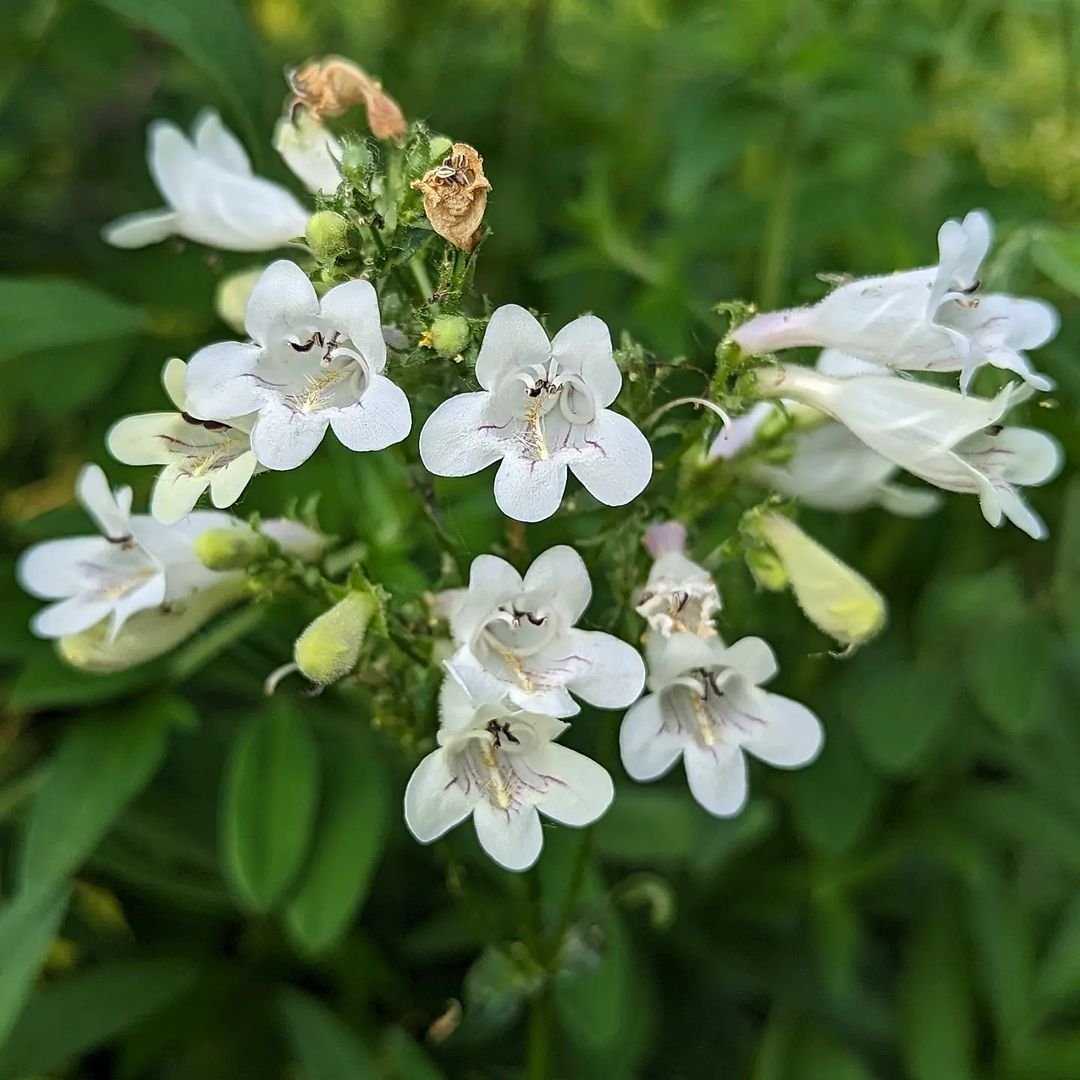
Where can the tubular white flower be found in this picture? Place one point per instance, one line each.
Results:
(707, 706)
(212, 196)
(310, 366)
(310, 150)
(196, 454)
(135, 564)
(542, 410)
(502, 766)
(933, 319)
(952, 441)
(679, 596)
(517, 638)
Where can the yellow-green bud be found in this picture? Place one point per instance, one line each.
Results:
(231, 548)
(768, 571)
(329, 648)
(449, 334)
(328, 234)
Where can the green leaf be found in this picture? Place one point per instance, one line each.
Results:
(648, 825)
(103, 762)
(215, 36)
(49, 313)
(1058, 981)
(1057, 255)
(46, 682)
(89, 1009)
(404, 1059)
(269, 798)
(28, 924)
(325, 1047)
(349, 836)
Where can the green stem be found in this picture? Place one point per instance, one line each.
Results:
(778, 225)
(408, 288)
(541, 1005)
(577, 878)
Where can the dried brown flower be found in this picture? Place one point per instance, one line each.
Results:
(331, 85)
(455, 196)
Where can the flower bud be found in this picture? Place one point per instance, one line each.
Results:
(455, 196)
(328, 234)
(232, 295)
(767, 570)
(449, 334)
(835, 598)
(229, 549)
(359, 162)
(329, 648)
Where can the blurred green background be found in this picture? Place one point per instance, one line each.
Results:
(907, 907)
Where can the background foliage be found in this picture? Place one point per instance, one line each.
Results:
(222, 887)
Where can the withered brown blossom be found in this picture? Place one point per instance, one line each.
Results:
(455, 196)
(331, 85)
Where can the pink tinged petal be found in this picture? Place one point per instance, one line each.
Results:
(529, 490)
(585, 346)
(54, 569)
(285, 438)
(175, 495)
(69, 617)
(663, 538)
(791, 736)
(617, 462)
(647, 746)
(717, 778)
(612, 673)
(110, 510)
(560, 571)
(459, 438)
(141, 229)
(735, 437)
(354, 308)
(513, 838)
(753, 658)
(776, 330)
(215, 141)
(145, 439)
(283, 302)
(579, 789)
(222, 381)
(379, 419)
(436, 799)
(513, 339)
(227, 485)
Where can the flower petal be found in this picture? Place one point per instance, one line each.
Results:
(173, 376)
(54, 569)
(227, 484)
(141, 229)
(144, 439)
(560, 571)
(513, 838)
(579, 789)
(285, 438)
(435, 799)
(529, 490)
(69, 617)
(148, 595)
(647, 746)
(513, 339)
(458, 439)
(584, 346)
(173, 162)
(282, 302)
(613, 673)
(379, 419)
(617, 463)
(791, 735)
(753, 658)
(110, 510)
(215, 141)
(222, 381)
(717, 778)
(492, 581)
(354, 307)
(175, 494)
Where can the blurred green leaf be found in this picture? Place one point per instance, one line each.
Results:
(324, 1046)
(817, 1054)
(48, 313)
(649, 825)
(268, 803)
(1057, 983)
(348, 839)
(46, 682)
(1057, 255)
(404, 1059)
(88, 1009)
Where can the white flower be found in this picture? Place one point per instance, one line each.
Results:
(933, 319)
(212, 196)
(707, 705)
(196, 454)
(136, 563)
(310, 366)
(517, 638)
(501, 765)
(679, 595)
(952, 441)
(310, 150)
(542, 410)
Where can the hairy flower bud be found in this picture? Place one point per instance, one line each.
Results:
(327, 234)
(455, 196)
(767, 570)
(331, 85)
(329, 648)
(449, 334)
(230, 548)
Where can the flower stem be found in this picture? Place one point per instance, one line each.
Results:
(541, 1006)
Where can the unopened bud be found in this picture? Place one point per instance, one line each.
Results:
(233, 548)
(330, 647)
(327, 234)
(767, 570)
(449, 334)
(359, 162)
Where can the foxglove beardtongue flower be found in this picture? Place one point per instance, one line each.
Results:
(196, 454)
(310, 366)
(933, 319)
(502, 766)
(951, 441)
(134, 564)
(542, 410)
(212, 195)
(680, 596)
(517, 638)
(707, 706)
(310, 150)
